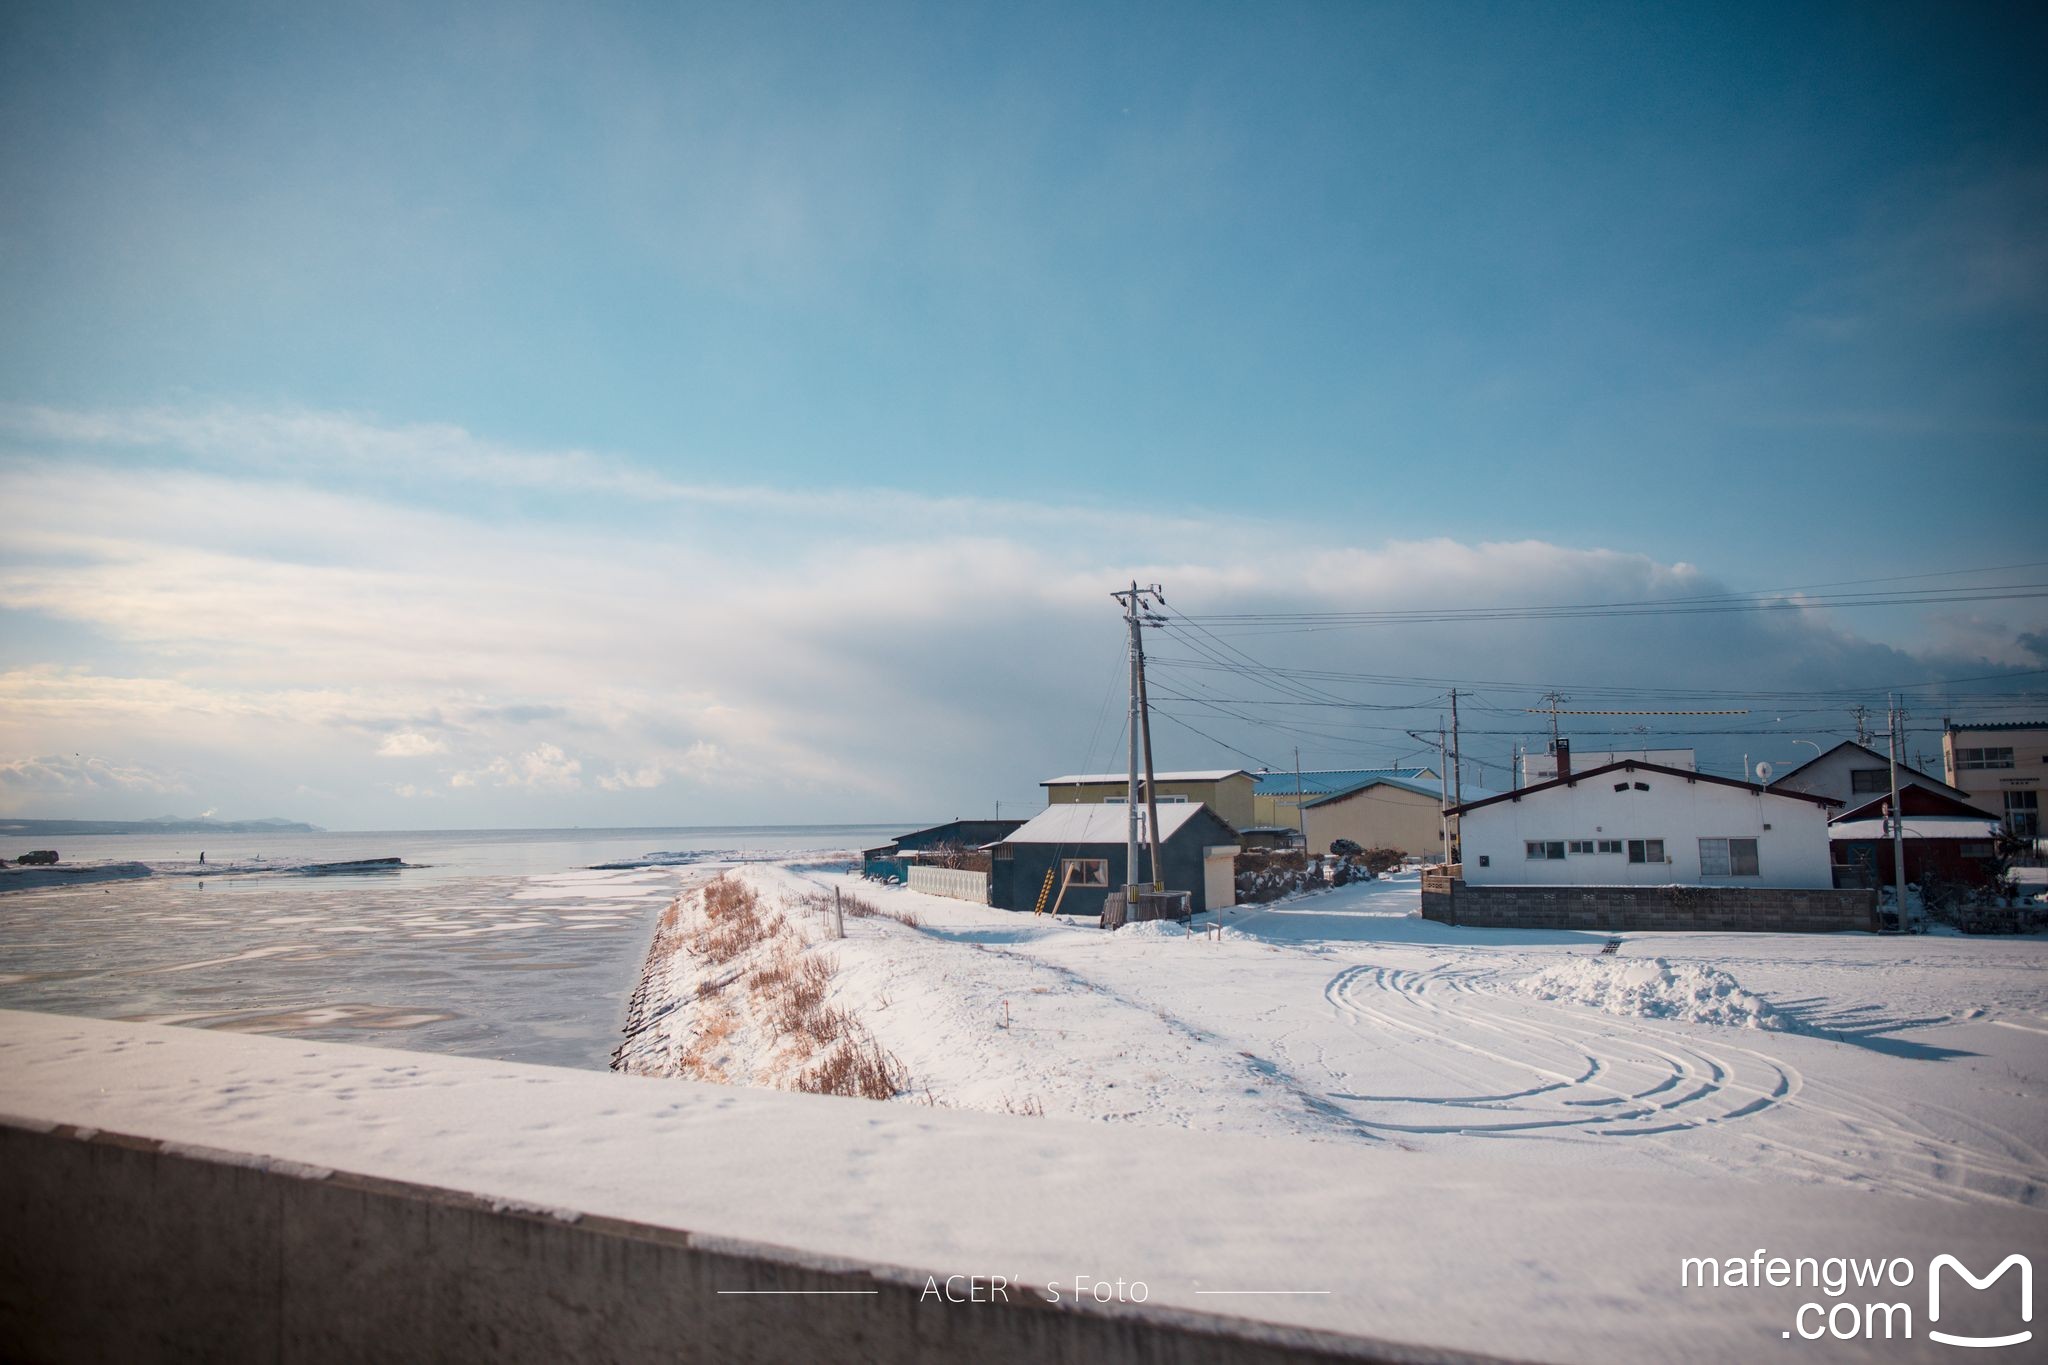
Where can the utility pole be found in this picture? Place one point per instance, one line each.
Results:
(1300, 810)
(1898, 826)
(1443, 790)
(1136, 613)
(1556, 700)
(1457, 753)
(1862, 715)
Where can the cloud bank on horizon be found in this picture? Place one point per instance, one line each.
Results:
(369, 624)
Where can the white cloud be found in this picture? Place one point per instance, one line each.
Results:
(61, 776)
(542, 769)
(784, 660)
(410, 744)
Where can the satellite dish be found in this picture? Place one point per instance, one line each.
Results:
(1764, 770)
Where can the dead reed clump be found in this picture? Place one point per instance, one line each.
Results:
(857, 1066)
(1029, 1107)
(734, 921)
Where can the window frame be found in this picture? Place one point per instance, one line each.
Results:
(1069, 865)
(1541, 850)
(1639, 852)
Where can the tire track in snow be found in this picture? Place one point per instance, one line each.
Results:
(1624, 1078)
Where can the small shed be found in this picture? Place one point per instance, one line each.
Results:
(1941, 836)
(893, 858)
(1083, 846)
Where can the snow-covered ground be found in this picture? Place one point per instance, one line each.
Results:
(1912, 1064)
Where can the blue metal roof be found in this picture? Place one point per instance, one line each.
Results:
(1328, 780)
(1428, 787)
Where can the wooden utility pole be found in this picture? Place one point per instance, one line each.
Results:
(1137, 616)
(1300, 806)
(1457, 753)
(1898, 824)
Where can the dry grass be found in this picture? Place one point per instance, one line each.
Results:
(734, 921)
(1029, 1107)
(858, 907)
(855, 1065)
(695, 1061)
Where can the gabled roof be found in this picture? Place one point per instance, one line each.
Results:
(1918, 801)
(1431, 789)
(1099, 779)
(1326, 780)
(1634, 765)
(1084, 822)
(1917, 827)
(1904, 769)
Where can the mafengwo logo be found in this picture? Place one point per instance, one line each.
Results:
(1939, 1263)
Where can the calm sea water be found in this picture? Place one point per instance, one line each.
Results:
(499, 943)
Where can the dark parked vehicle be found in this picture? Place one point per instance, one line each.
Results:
(37, 856)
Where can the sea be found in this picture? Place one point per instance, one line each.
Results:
(517, 945)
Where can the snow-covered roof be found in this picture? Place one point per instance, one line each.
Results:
(1090, 823)
(1097, 779)
(1918, 827)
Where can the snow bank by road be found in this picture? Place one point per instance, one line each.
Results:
(1651, 988)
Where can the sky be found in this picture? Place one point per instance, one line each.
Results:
(420, 416)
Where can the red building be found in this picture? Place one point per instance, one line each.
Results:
(1944, 838)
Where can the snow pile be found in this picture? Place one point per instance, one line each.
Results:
(1651, 988)
(1153, 928)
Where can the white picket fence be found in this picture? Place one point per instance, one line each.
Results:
(950, 881)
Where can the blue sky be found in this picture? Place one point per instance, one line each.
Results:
(1761, 291)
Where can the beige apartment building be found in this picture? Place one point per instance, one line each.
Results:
(2003, 767)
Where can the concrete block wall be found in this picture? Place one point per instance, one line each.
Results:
(123, 1249)
(1614, 909)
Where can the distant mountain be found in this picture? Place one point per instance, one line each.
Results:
(162, 824)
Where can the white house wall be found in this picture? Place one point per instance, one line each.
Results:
(1791, 852)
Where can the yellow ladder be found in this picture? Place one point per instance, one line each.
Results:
(1045, 890)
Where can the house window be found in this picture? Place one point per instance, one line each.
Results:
(1537, 848)
(1984, 850)
(1580, 845)
(1085, 872)
(1728, 858)
(1870, 781)
(1609, 845)
(2023, 814)
(1004, 853)
(1984, 758)
(1646, 850)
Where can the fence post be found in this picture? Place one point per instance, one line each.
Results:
(838, 916)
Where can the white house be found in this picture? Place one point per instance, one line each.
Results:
(1633, 823)
(1854, 773)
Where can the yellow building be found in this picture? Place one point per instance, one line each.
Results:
(2003, 768)
(1226, 791)
(1382, 812)
(1275, 800)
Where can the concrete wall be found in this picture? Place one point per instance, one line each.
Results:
(955, 882)
(1616, 909)
(1791, 852)
(118, 1249)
